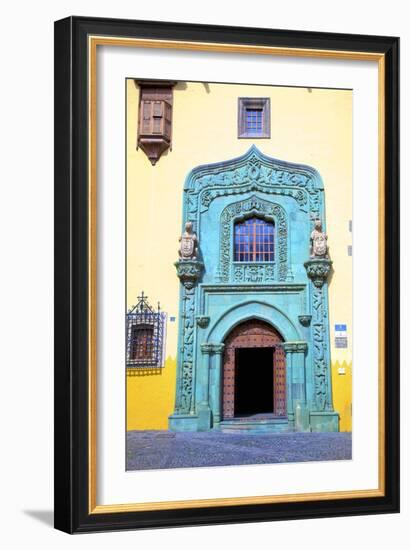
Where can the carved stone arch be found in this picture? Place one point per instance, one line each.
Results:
(252, 309)
(241, 210)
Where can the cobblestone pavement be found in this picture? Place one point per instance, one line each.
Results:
(151, 450)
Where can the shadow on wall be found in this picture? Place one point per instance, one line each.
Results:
(144, 372)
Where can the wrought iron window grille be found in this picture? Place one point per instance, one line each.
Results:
(145, 329)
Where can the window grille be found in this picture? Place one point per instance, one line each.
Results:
(254, 241)
(145, 335)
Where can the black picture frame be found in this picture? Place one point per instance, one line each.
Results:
(72, 462)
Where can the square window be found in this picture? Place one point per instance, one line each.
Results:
(253, 117)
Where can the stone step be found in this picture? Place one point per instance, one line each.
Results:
(255, 426)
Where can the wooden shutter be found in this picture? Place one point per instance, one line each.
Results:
(167, 119)
(158, 117)
(146, 119)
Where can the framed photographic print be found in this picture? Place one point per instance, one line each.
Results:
(227, 281)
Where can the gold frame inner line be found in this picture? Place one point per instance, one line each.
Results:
(93, 43)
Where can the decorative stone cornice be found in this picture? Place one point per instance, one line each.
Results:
(318, 270)
(295, 347)
(189, 271)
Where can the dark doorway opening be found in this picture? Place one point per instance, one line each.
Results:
(253, 381)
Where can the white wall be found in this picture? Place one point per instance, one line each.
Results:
(26, 269)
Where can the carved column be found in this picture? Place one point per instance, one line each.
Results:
(189, 272)
(296, 376)
(216, 380)
(318, 270)
(289, 403)
(204, 384)
(203, 410)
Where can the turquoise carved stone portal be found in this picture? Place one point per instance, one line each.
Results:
(289, 292)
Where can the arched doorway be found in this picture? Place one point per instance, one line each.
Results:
(254, 372)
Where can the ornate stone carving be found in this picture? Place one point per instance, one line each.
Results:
(249, 186)
(202, 321)
(252, 172)
(295, 347)
(318, 242)
(189, 271)
(318, 270)
(300, 195)
(304, 320)
(188, 249)
(319, 360)
(252, 273)
(187, 350)
(186, 395)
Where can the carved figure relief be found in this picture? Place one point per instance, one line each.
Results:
(188, 249)
(318, 242)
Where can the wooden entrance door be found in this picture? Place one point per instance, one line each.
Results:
(254, 334)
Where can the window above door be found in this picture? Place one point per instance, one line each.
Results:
(254, 241)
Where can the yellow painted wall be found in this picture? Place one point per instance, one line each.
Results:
(150, 396)
(308, 126)
(342, 393)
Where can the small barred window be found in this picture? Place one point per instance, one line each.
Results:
(145, 335)
(254, 241)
